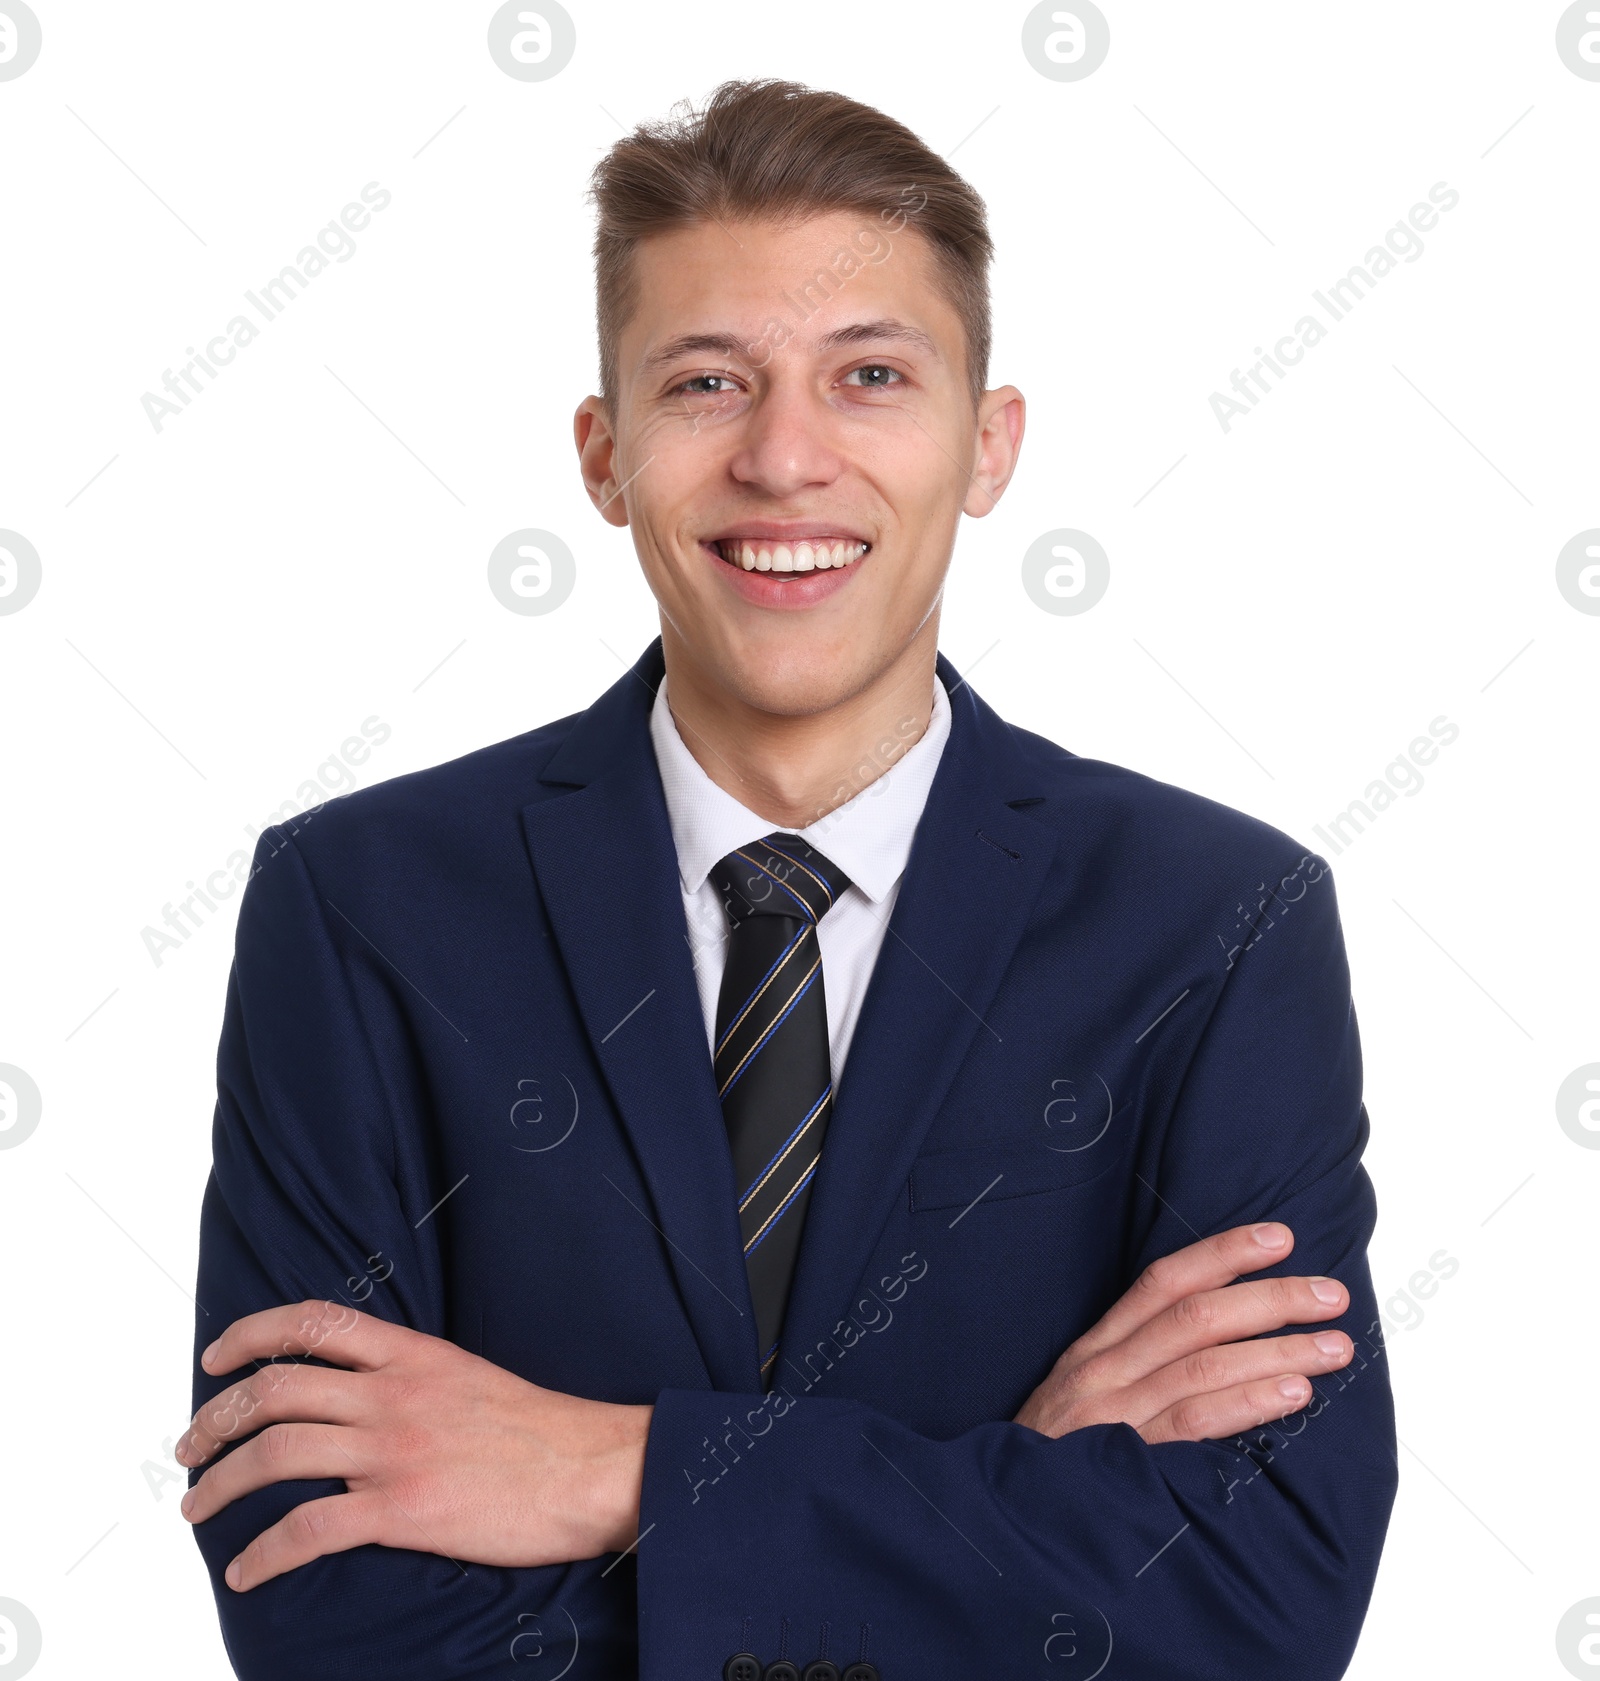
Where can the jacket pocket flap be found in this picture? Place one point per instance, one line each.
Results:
(955, 1178)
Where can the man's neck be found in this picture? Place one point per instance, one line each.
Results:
(794, 770)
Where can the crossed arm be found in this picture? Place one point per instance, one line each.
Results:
(339, 1498)
(443, 1452)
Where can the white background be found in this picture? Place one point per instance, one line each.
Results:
(1289, 606)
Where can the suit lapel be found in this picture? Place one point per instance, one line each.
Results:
(607, 871)
(606, 866)
(975, 870)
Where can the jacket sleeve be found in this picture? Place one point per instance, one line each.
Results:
(800, 1519)
(318, 1186)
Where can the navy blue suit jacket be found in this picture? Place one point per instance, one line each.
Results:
(1109, 1017)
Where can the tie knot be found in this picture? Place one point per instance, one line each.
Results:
(778, 876)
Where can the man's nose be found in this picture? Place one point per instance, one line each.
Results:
(787, 444)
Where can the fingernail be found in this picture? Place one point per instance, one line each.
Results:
(1326, 1290)
(181, 1451)
(205, 1359)
(186, 1504)
(1292, 1388)
(1329, 1343)
(235, 1574)
(1271, 1235)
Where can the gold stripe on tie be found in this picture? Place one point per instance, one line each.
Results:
(806, 928)
(799, 898)
(783, 1202)
(767, 1031)
(827, 892)
(805, 1127)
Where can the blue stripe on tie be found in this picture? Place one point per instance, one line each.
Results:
(811, 1115)
(777, 1219)
(810, 915)
(766, 1038)
(738, 1015)
(816, 875)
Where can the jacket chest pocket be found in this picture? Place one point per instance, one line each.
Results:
(995, 1172)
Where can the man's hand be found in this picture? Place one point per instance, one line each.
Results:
(1165, 1359)
(441, 1452)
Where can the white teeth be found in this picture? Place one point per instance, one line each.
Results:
(783, 557)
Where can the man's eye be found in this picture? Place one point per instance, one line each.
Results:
(706, 385)
(874, 376)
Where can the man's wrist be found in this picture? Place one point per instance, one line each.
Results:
(626, 1479)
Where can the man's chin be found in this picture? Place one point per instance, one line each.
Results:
(876, 680)
(786, 667)
(796, 694)
(789, 680)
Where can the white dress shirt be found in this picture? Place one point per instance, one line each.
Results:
(869, 838)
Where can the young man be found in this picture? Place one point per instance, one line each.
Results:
(782, 1173)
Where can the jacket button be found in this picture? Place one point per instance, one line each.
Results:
(861, 1672)
(821, 1670)
(780, 1670)
(742, 1667)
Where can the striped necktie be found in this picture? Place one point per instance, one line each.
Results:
(771, 1059)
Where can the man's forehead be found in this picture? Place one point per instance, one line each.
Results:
(827, 282)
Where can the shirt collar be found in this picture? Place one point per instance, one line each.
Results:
(869, 837)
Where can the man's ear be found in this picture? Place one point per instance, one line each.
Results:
(1001, 417)
(597, 459)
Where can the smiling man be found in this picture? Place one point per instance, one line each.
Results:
(782, 1174)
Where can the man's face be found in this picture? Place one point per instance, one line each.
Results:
(793, 441)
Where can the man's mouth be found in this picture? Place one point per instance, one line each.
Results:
(814, 554)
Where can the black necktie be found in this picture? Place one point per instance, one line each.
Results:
(771, 1057)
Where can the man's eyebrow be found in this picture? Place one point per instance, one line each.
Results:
(873, 332)
(692, 344)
